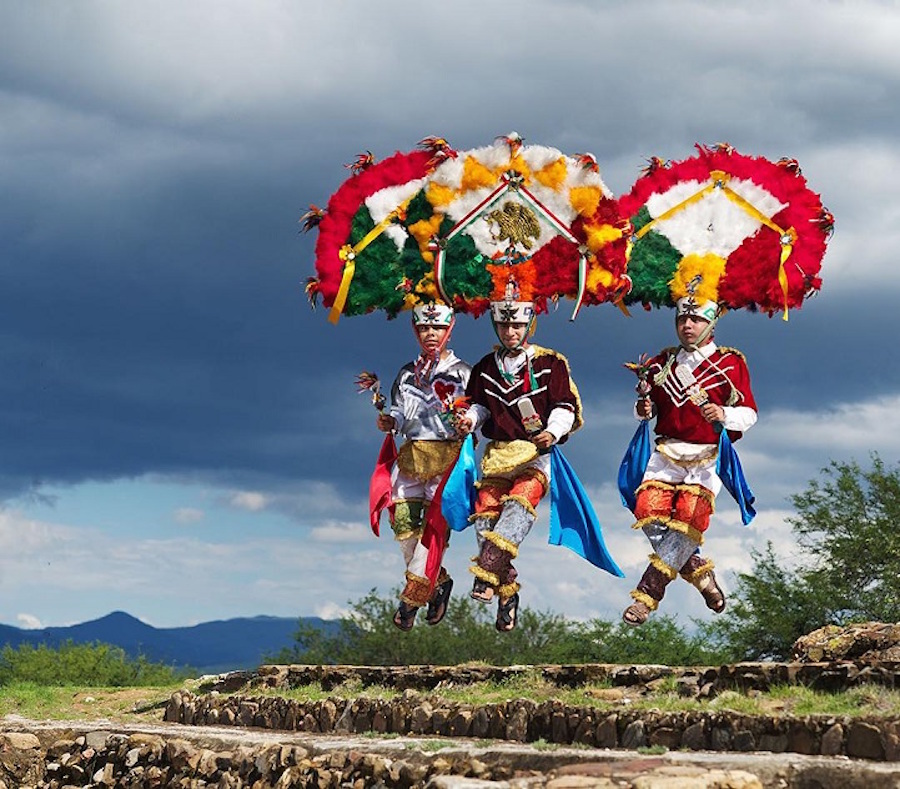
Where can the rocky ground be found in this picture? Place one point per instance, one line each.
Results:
(47, 754)
(233, 735)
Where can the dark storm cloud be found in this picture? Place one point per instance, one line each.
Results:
(154, 168)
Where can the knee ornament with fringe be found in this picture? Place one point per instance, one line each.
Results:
(694, 505)
(407, 520)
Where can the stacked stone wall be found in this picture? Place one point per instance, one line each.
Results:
(525, 721)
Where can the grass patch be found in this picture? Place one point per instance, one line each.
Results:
(47, 702)
(145, 704)
(666, 696)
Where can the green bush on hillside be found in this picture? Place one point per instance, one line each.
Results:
(367, 636)
(93, 665)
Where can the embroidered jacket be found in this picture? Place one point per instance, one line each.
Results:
(495, 394)
(719, 374)
(420, 408)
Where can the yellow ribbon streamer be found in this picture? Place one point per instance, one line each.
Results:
(348, 255)
(787, 246)
(719, 179)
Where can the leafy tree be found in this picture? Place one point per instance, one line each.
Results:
(367, 636)
(94, 665)
(848, 569)
(661, 640)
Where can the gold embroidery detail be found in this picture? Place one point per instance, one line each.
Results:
(523, 500)
(643, 597)
(670, 572)
(484, 575)
(417, 591)
(696, 576)
(517, 223)
(686, 529)
(424, 460)
(501, 457)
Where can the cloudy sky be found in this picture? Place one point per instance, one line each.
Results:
(181, 437)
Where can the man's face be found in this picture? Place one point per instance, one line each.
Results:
(512, 334)
(689, 328)
(430, 337)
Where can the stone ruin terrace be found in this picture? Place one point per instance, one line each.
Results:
(229, 734)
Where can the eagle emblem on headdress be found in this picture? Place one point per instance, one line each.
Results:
(517, 223)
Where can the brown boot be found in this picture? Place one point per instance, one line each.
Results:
(698, 572)
(649, 592)
(491, 568)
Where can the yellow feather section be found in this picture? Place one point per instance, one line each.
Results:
(518, 164)
(423, 231)
(475, 176)
(439, 195)
(708, 267)
(585, 199)
(424, 286)
(599, 276)
(553, 176)
(598, 236)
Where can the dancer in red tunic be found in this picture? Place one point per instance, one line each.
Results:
(695, 391)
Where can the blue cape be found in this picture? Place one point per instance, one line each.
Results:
(634, 464)
(728, 467)
(458, 500)
(573, 522)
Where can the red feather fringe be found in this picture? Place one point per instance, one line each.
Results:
(334, 229)
(751, 272)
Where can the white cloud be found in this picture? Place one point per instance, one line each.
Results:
(847, 428)
(186, 515)
(331, 611)
(339, 532)
(29, 622)
(249, 500)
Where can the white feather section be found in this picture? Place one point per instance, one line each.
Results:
(714, 224)
(384, 201)
(449, 173)
(497, 158)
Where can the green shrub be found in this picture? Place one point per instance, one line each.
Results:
(93, 665)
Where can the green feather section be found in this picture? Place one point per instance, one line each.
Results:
(641, 218)
(378, 273)
(419, 209)
(652, 266)
(464, 267)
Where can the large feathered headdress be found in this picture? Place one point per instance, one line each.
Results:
(365, 259)
(437, 225)
(741, 231)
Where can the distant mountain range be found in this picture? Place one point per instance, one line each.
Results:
(210, 647)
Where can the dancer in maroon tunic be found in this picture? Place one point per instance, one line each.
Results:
(524, 401)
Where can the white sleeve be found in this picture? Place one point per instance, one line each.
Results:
(739, 417)
(477, 414)
(560, 422)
